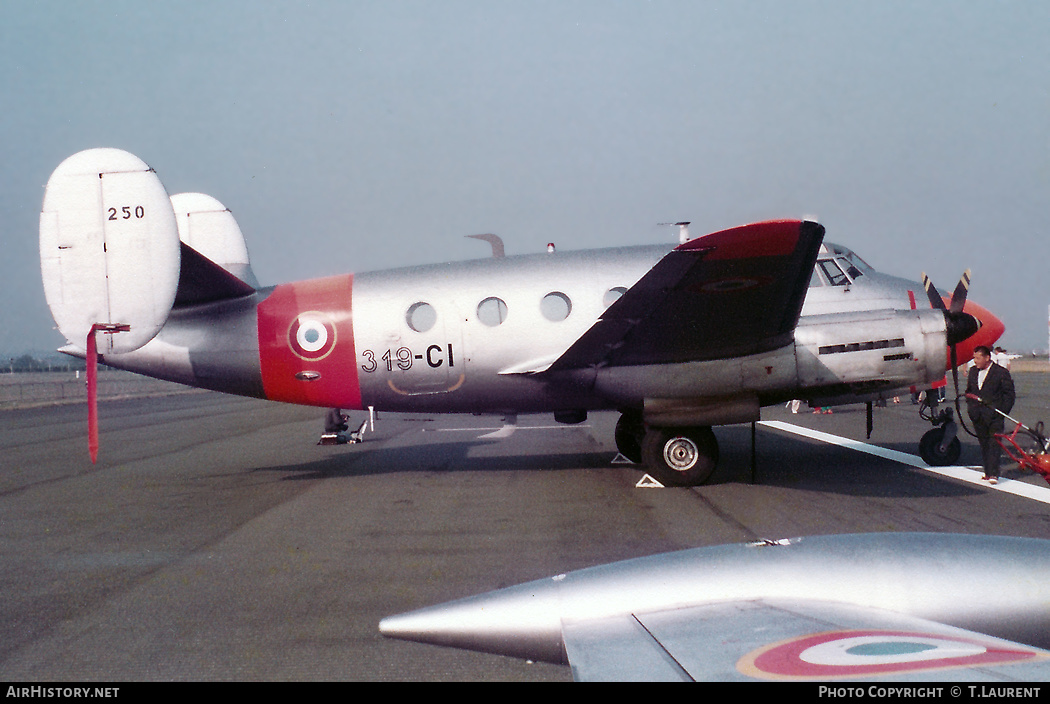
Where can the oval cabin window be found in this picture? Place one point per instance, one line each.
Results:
(555, 306)
(421, 316)
(492, 312)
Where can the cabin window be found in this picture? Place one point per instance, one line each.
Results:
(555, 306)
(421, 316)
(613, 295)
(492, 311)
(815, 280)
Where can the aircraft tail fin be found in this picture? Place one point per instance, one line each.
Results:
(109, 250)
(117, 254)
(110, 257)
(209, 228)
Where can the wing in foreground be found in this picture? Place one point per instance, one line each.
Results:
(727, 294)
(790, 641)
(882, 606)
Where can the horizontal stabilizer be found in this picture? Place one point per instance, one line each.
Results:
(109, 249)
(203, 281)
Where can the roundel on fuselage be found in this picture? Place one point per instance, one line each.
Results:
(312, 336)
(306, 343)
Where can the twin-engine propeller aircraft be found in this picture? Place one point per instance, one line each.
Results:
(678, 340)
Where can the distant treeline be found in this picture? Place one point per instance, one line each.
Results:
(29, 363)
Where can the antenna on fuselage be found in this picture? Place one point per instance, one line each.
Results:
(683, 230)
(494, 240)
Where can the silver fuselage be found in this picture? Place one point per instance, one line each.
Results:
(497, 368)
(859, 335)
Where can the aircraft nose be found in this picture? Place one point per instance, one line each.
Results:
(989, 329)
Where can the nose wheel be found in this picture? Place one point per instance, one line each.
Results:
(937, 450)
(680, 456)
(939, 447)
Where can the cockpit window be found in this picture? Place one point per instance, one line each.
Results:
(847, 258)
(851, 270)
(860, 263)
(816, 279)
(835, 275)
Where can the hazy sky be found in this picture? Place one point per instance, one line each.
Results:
(353, 136)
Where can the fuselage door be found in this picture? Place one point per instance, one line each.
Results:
(414, 355)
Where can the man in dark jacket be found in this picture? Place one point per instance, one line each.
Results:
(988, 387)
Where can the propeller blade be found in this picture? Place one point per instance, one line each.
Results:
(959, 325)
(931, 292)
(959, 297)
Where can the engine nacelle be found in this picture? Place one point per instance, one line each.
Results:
(857, 351)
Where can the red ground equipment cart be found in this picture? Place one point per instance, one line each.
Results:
(1028, 447)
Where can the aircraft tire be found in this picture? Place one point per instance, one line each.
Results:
(680, 456)
(928, 449)
(630, 431)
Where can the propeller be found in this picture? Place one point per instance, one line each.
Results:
(958, 325)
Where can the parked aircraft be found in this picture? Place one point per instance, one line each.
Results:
(678, 339)
(886, 606)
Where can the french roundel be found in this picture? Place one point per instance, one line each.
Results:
(312, 336)
(874, 653)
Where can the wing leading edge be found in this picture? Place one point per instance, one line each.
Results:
(727, 294)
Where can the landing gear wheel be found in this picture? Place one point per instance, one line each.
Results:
(929, 449)
(629, 434)
(680, 456)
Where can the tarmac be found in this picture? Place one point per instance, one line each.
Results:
(216, 541)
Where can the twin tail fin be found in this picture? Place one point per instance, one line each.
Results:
(117, 254)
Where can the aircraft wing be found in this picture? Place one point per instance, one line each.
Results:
(790, 641)
(727, 294)
(882, 606)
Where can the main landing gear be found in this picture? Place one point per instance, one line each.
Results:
(673, 456)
